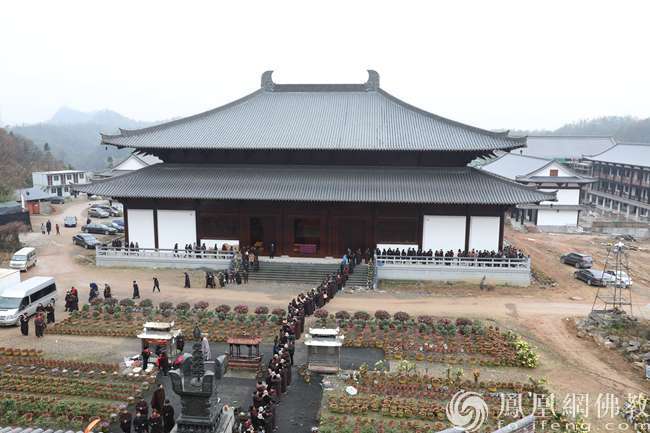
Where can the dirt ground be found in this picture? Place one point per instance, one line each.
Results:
(570, 364)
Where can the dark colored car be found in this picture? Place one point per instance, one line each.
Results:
(57, 200)
(577, 260)
(593, 277)
(85, 240)
(70, 221)
(118, 225)
(102, 229)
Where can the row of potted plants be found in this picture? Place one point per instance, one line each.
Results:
(41, 362)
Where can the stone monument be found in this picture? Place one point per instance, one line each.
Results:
(200, 409)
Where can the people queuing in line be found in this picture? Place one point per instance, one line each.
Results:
(161, 420)
(261, 416)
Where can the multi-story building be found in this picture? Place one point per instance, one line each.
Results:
(60, 182)
(544, 175)
(623, 180)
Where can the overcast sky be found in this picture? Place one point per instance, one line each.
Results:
(493, 64)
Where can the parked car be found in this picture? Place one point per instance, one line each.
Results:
(85, 240)
(97, 213)
(57, 200)
(118, 225)
(594, 277)
(577, 260)
(70, 221)
(101, 229)
(23, 259)
(112, 210)
(620, 276)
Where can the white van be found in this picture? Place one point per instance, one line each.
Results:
(23, 259)
(25, 297)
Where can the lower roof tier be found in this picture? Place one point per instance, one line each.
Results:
(449, 185)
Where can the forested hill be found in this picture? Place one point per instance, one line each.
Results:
(20, 157)
(74, 136)
(621, 128)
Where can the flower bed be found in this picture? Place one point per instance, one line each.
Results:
(397, 402)
(434, 339)
(63, 393)
(127, 321)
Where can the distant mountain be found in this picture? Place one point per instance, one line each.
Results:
(20, 157)
(626, 128)
(74, 136)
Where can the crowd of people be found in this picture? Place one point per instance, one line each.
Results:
(261, 416)
(43, 317)
(161, 420)
(412, 254)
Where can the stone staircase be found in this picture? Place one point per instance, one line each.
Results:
(305, 273)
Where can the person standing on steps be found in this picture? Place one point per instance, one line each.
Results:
(156, 285)
(272, 250)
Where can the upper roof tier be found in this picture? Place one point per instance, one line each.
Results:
(633, 154)
(317, 117)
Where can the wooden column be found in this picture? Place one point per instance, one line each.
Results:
(126, 223)
(155, 228)
(468, 224)
(501, 228)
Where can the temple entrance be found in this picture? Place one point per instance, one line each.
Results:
(351, 234)
(306, 236)
(262, 232)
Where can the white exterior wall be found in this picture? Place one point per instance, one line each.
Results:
(484, 233)
(175, 227)
(561, 170)
(141, 227)
(39, 179)
(131, 163)
(554, 217)
(564, 196)
(443, 231)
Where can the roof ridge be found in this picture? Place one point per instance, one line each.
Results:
(131, 132)
(570, 136)
(504, 134)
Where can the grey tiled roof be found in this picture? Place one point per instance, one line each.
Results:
(565, 146)
(316, 117)
(453, 185)
(636, 154)
(513, 164)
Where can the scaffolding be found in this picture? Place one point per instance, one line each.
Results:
(615, 293)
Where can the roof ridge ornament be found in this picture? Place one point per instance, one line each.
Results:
(267, 81)
(373, 81)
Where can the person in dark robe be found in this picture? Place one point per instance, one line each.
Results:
(272, 250)
(140, 423)
(49, 310)
(107, 291)
(146, 353)
(39, 325)
(142, 408)
(196, 333)
(125, 421)
(136, 290)
(187, 280)
(180, 343)
(24, 324)
(163, 364)
(158, 398)
(168, 416)
(155, 422)
(156, 285)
